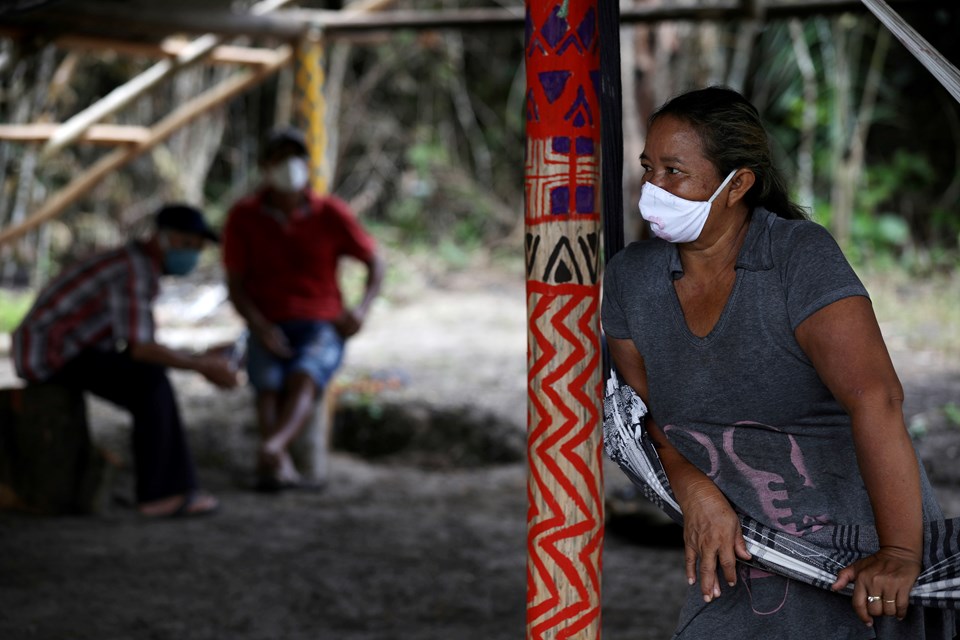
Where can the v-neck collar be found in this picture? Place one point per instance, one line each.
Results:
(755, 254)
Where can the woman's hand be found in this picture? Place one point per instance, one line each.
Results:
(882, 583)
(711, 533)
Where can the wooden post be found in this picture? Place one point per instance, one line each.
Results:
(47, 461)
(311, 110)
(565, 486)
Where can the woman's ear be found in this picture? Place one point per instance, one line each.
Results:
(743, 181)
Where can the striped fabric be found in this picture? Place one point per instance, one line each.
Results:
(817, 556)
(103, 302)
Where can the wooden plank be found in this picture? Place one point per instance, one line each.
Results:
(84, 182)
(97, 134)
(170, 47)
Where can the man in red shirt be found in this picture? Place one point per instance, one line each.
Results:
(282, 245)
(92, 328)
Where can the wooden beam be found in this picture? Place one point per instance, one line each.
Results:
(193, 109)
(338, 23)
(292, 24)
(107, 20)
(123, 95)
(97, 134)
(168, 48)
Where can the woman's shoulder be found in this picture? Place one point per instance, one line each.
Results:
(789, 235)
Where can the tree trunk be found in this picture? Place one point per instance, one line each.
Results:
(808, 127)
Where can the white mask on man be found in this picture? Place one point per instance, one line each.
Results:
(673, 218)
(290, 176)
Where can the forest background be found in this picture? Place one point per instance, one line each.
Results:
(427, 137)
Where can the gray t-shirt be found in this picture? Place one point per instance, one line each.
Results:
(746, 406)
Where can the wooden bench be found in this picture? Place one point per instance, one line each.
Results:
(48, 464)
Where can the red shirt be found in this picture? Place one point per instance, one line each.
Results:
(288, 266)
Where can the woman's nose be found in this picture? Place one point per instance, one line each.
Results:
(651, 177)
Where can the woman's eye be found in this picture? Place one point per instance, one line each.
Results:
(672, 170)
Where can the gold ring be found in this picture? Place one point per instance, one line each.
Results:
(889, 602)
(871, 599)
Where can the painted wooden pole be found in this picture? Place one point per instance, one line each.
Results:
(311, 106)
(562, 215)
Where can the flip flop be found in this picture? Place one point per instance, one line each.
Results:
(187, 508)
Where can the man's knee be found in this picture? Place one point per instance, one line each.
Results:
(299, 382)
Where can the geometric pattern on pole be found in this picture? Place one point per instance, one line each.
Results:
(562, 219)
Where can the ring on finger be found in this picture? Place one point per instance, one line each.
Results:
(872, 599)
(889, 602)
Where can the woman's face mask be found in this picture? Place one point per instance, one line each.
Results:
(673, 218)
(290, 175)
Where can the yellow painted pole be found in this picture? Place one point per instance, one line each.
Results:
(311, 106)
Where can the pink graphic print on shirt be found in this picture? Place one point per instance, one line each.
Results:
(760, 468)
(757, 459)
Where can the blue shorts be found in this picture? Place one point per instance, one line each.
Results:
(317, 351)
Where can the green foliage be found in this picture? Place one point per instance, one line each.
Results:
(906, 172)
(879, 234)
(903, 212)
(952, 411)
(440, 206)
(13, 306)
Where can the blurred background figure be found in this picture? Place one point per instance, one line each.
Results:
(92, 328)
(282, 245)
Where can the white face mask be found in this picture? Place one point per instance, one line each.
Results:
(673, 218)
(290, 176)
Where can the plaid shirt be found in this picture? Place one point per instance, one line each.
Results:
(103, 302)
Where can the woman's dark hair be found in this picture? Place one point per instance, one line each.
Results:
(733, 137)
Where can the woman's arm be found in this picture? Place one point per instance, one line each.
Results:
(711, 530)
(844, 343)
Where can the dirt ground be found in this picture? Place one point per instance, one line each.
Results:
(401, 545)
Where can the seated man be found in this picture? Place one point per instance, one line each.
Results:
(282, 245)
(92, 328)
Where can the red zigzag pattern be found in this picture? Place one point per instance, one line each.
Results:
(565, 526)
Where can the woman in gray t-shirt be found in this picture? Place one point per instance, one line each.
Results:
(770, 389)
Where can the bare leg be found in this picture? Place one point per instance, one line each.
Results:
(268, 405)
(295, 406)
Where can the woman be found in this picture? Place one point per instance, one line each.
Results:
(770, 390)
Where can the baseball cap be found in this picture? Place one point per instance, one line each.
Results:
(183, 217)
(285, 136)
